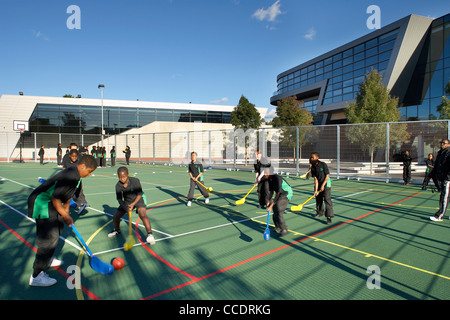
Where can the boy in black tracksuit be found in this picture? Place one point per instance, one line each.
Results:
(127, 152)
(113, 156)
(49, 205)
(441, 171)
(196, 174)
(322, 187)
(407, 160)
(263, 188)
(130, 195)
(430, 165)
(41, 155)
(71, 160)
(283, 194)
(59, 155)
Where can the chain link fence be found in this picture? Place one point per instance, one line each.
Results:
(369, 151)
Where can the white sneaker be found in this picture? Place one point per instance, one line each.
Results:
(42, 280)
(113, 233)
(56, 263)
(207, 200)
(151, 239)
(433, 218)
(188, 203)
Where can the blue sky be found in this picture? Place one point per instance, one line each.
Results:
(199, 51)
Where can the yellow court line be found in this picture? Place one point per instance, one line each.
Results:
(369, 255)
(79, 292)
(366, 254)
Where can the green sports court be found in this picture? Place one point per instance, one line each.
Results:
(216, 251)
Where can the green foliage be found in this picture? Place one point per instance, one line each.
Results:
(291, 114)
(374, 105)
(373, 102)
(444, 107)
(245, 115)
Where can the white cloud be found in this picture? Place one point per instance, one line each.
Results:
(220, 101)
(269, 14)
(38, 34)
(270, 114)
(310, 34)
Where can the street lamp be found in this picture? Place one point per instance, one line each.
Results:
(101, 86)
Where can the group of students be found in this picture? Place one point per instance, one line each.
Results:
(99, 154)
(49, 205)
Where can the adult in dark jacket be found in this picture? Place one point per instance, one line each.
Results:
(442, 172)
(59, 155)
(127, 152)
(407, 160)
(41, 155)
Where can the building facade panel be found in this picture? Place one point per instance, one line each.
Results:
(412, 54)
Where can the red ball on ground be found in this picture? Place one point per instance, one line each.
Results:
(118, 263)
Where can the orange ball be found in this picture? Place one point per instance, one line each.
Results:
(118, 263)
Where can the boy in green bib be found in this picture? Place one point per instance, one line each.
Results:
(322, 187)
(283, 194)
(49, 205)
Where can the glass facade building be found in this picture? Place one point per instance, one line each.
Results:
(80, 119)
(431, 74)
(412, 54)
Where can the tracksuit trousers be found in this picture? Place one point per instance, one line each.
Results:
(443, 199)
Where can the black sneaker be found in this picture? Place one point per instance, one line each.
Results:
(283, 233)
(82, 207)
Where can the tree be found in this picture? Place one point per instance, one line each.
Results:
(245, 116)
(374, 104)
(289, 113)
(444, 107)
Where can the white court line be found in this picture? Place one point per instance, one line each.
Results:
(32, 220)
(70, 242)
(26, 216)
(168, 236)
(225, 224)
(24, 185)
(126, 220)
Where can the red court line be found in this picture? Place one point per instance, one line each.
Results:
(154, 253)
(271, 251)
(86, 291)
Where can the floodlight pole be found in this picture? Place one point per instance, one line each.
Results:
(101, 86)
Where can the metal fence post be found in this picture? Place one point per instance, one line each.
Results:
(448, 129)
(154, 148)
(209, 147)
(170, 147)
(338, 151)
(139, 146)
(387, 152)
(297, 151)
